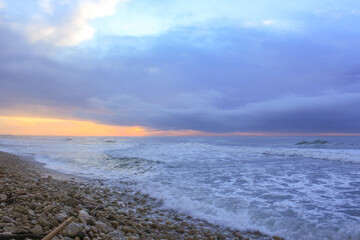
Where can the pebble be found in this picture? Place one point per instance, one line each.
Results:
(91, 222)
(61, 217)
(3, 197)
(37, 229)
(72, 230)
(115, 224)
(102, 226)
(7, 219)
(84, 215)
(43, 222)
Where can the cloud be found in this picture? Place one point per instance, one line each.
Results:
(229, 79)
(326, 113)
(268, 22)
(46, 5)
(143, 18)
(76, 28)
(2, 4)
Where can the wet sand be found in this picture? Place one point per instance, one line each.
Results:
(35, 200)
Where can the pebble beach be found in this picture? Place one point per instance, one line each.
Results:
(35, 200)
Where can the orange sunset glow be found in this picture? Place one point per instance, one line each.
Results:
(61, 127)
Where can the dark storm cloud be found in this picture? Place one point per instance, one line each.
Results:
(287, 114)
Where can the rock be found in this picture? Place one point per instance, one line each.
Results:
(115, 224)
(81, 220)
(48, 208)
(3, 197)
(61, 217)
(91, 222)
(84, 215)
(133, 238)
(7, 219)
(192, 232)
(93, 229)
(184, 224)
(116, 235)
(31, 213)
(10, 229)
(38, 196)
(277, 238)
(82, 234)
(102, 226)
(71, 202)
(72, 230)
(43, 222)
(37, 230)
(128, 230)
(54, 223)
(112, 217)
(6, 233)
(20, 209)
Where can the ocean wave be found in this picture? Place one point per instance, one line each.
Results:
(134, 165)
(344, 155)
(246, 218)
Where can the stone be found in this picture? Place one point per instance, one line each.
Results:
(61, 217)
(102, 226)
(43, 222)
(71, 202)
(82, 234)
(133, 238)
(7, 219)
(48, 208)
(91, 222)
(112, 217)
(115, 224)
(38, 196)
(11, 229)
(117, 235)
(72, 230)
(3, 197)
(20, 209)
(84, 215)
(277, 238)
(192, 232)
(37, 230)
(31, 213)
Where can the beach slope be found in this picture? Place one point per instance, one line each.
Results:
(34, 201)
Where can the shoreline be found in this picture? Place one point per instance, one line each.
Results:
(34, 199)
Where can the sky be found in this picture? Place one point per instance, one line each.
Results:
(174, 67)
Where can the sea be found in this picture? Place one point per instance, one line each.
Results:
(293, 187)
